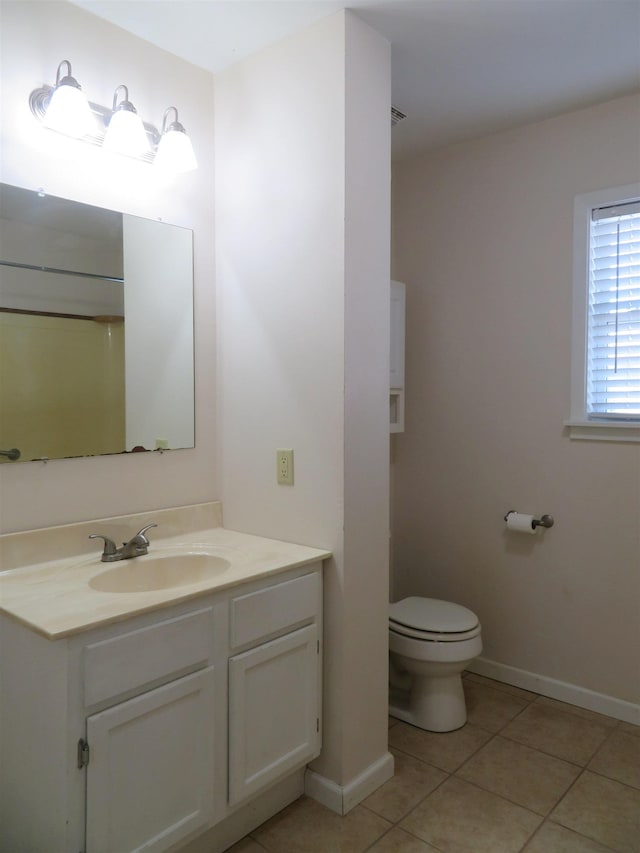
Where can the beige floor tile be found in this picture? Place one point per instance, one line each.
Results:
(399, 841)
(552, 838)
(307, 827)
(446, 750)
(492, 709)
(411, 782)
(523, 775)
(619, 758)
(604, 810)
(527, 695)
(246, 845)
(461, 818)
(607, 722)
(629, 728)
(556, 732)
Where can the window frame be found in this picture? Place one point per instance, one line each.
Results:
(580, 425)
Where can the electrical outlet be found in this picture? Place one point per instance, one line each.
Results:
(284, 461)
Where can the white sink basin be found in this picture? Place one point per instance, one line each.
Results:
(159, 571)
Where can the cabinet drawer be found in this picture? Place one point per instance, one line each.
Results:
(274, 609)
(136, 659)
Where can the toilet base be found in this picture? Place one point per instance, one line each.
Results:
(432, 704)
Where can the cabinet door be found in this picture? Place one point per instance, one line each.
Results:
(150, 773)
(274, 711)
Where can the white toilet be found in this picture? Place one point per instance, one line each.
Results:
(430, 643)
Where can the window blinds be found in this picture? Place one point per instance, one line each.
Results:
(613, 337)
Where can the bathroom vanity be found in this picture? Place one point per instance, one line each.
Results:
(143, 718)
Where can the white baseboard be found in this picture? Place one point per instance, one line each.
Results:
(342, 798)
(561, 690)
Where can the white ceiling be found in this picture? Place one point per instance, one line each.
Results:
(460, 68)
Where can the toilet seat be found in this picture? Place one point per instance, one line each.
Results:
(434, 636)
(433, 620)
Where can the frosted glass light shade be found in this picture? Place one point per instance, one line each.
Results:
(69, 112)
(126, 134)
(175, 153)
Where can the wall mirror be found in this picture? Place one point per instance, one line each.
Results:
(96, 330)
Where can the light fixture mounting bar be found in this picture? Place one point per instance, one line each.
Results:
(39, 100)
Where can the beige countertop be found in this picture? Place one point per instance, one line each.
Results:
(55, 599)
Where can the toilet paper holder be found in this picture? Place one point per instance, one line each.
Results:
(543, 521)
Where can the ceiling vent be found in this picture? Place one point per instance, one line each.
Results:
(396, 116)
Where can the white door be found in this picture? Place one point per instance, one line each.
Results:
(274, 711)
(150, 772)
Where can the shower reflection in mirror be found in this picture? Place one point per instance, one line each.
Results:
(76, 378)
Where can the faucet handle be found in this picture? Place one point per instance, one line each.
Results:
(138, 544)
(110, 550)
(140, 534)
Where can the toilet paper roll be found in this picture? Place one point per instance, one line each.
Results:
(520, 522)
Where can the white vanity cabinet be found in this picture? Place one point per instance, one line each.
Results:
(274, 713)
(141, 735)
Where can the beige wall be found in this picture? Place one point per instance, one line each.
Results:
(35, 37)
(302, 244)
(302, 276)
(483, 236)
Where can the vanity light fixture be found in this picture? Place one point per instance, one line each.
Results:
(67, 109)
(125, 131)
(64, 108)
(175, 151)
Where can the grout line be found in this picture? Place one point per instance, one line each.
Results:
(579, 835)
(544, 752)
(577, 767)
(494, 735)
(565, 795)
(588, 715)
(417, 758)
(599, 747)
(402, 829)
(506, 799)
(421, 801)
(252, 837)
(386, 832)
(532, 837)
(583, 835)
(612, 779)
(499, 687)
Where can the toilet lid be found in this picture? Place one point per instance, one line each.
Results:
(431, 614)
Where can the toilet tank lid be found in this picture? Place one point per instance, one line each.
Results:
(432, 614)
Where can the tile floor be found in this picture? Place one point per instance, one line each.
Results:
(525, 774)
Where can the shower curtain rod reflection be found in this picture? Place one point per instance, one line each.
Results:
(12, 454)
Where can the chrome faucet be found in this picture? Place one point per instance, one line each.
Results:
(135, 547)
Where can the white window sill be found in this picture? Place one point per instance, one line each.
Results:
(628, 431)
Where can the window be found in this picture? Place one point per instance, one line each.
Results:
(605, 399)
